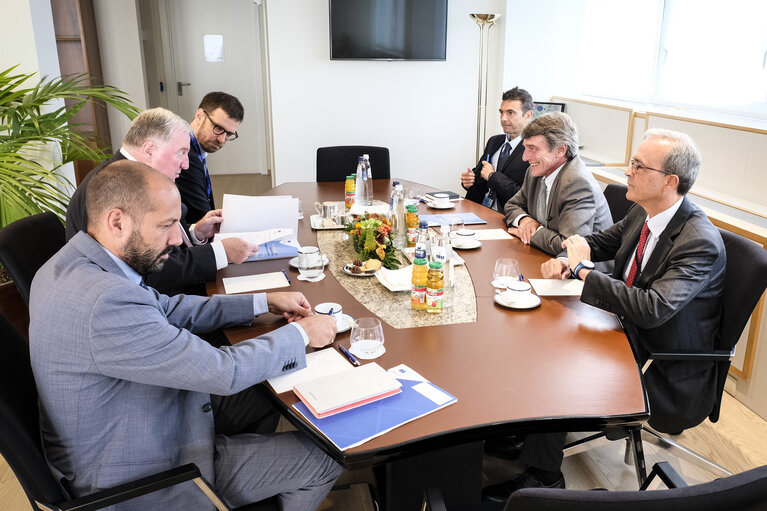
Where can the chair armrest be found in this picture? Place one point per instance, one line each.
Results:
(667, 474)
(432, 500)
(133, 489)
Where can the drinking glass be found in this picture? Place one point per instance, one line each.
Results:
(310, 262)
(454, 223)
(367, 338)
(505, 271)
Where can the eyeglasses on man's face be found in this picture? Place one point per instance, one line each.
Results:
(219, 130)
(636, 166)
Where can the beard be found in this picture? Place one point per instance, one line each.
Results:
(209, 146)
(141, 258)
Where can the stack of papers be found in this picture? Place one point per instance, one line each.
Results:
(556, 287)
(251, 283)
(396, 280)
(345, 390)
(318, 363)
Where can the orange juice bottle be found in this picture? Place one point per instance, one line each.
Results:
(435, 288)
(418, 290)
(349, 192)
(411, 221)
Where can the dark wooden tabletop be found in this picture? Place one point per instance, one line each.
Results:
(563, 366)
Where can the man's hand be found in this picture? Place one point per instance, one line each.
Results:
(527, 227)
(577, 250)
(555, 269)
(467, 178)
(320, 329)
(208, 225)
(292, 305)
(487, 169)
(238, 250)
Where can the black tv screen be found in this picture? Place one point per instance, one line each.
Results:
(388, 29)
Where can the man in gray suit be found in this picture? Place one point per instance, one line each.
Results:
(666, 287)
(559, 196)
(123, 381)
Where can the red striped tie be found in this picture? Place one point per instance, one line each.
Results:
(638, 257)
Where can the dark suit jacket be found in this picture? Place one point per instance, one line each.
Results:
(194, 189)
(187, 268)
(675, 304)
(505, 181)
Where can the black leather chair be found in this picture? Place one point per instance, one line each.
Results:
(336, 162)
(745, 282)
(617, 201)
(26, 244)
(745, 492)
(20, 444)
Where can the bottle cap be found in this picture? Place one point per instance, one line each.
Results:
(354, 175)
(395, 183)
(436, 265)
(424, 224)
(411, 208)
(419, 260)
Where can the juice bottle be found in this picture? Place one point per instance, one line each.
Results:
(435, 288)
(411, 221)
(349, 192)
(418, 290)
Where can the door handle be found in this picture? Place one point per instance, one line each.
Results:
(180, 86)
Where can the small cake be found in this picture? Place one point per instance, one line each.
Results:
(372, 265)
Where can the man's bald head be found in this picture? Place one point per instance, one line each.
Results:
(126, 185)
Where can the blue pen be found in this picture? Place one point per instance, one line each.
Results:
(348, 355)
(286, 275)
(487, 158)
(521, 278)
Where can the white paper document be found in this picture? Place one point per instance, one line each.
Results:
(245, 213)
(259, 237)
(319, 363)
(250, 283)
(492, 234)
(556, 287)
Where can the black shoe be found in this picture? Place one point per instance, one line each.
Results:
(501, 492)
(507, 448)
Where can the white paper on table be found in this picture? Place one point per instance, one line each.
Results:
(319, 363)
(492, 234)
(258, 237)
(245, 213)
(557, 287)
(396, 280)
(214, 47)
(378, 207)
(403, 372)
(249, 283)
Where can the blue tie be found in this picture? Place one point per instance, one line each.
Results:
(490, 200)
(203, 160)
(505, 152)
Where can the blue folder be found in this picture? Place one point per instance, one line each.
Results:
(356, 426)
(275, 250)
(442, 219)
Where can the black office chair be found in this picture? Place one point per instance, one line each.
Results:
(617, 201)
(745, 492)
(20, 444)
(336, 162)
(26, 244)
(745, 282)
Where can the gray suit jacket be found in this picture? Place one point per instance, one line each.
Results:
(576, 206)
(124, 384)
(674, 304)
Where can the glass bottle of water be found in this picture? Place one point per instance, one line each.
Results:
(397, 215)
(442, 252)
(359, 188)
(369, 178)
(423, 243)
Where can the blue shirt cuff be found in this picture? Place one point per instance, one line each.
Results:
(260, 306)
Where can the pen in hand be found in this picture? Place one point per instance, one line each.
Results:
(348, 355)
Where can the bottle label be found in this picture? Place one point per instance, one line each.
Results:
(438, 254)
(412, 235)
(434, 298)
(420, 250)
(418, 295)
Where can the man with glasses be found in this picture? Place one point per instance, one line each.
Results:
(666, 287)
(215, 123)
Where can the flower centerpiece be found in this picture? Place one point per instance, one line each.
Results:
(371, 235)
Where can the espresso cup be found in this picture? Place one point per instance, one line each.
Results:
(442, 200)
(464, 237)
(518, 290)
(334, 310)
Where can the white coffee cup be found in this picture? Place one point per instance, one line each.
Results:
(335, 310)
(441, 200)
(518, 290)
(464, 237)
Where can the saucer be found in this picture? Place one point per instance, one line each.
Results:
(366, 356)
(468, 246)
(530, 301)
(294, 262)
(344, 322)
(315, 279)
(434, 205)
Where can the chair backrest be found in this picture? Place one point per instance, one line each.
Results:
(336, 162)
(617, 201)
(26, 244)
(744, 283)
(745, 492)
(19, 419)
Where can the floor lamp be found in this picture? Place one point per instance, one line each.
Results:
(485, 21)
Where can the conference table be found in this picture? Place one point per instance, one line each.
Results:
(563, 366)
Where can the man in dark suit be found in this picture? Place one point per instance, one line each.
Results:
(215, 123)
(500, 171)
(160, 139)
(666, 287)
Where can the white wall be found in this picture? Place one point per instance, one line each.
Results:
(121, 58)
(424, 112)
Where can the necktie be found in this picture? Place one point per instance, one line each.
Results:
(638, 257)
(540, 206)
(505, 152)
(490, 200)
(184, 236)
(204, 161)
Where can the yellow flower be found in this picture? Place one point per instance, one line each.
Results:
(381, 252)
(358, 226)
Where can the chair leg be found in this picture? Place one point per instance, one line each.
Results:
(683, 452)
(635, 437)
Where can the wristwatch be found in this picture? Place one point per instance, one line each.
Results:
(583, 264)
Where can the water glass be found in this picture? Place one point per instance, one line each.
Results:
(505, 272)
(310, 262)
(454, 223)
(367, 338)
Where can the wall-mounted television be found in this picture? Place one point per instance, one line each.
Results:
(388, 29)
